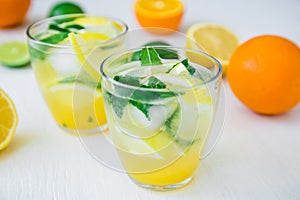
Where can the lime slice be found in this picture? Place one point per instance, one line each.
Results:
(14, 54)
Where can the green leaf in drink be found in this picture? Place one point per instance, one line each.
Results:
(74, 27)
(149, 57)
(143, 107)
(163, 53)
(188, 67)
(55, 38)
(118, 103)
(57, 28)
(154, 82)
(129, 80)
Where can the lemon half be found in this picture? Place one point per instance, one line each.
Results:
(214, 39)
(8, 120)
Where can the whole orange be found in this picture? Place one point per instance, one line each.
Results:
(13, 12)
(264, 74)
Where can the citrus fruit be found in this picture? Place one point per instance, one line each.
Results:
(8, 120)
(13, 12)
(63, 8)
(165, 14)
(214, 39)
(14, 54)
(76, 41)
(264, 74)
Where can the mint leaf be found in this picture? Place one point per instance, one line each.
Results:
(74, 26)
(172, 68)
(167, 53)
(57, 28)
(118, 103)
(172, 124)
(188, 67)
(147, 96)
(129, 80)
(154, 82)
(55, 38)
(149, 57)
(163, 53)
(143, 107)
(138, 96)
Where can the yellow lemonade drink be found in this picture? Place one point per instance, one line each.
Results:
(66, 52)
(159, 115)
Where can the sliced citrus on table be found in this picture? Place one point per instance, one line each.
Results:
(8, 120)
(14, 54)
(214, 39)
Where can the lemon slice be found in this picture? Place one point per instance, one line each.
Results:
(91, 20)
(84, 94)
(100, 24)
(214, 39)
(93, 37)
(76, 41)
(8, 120)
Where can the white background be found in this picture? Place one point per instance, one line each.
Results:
(256, 158)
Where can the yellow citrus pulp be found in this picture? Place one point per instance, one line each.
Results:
(8, 120)
(215, 40)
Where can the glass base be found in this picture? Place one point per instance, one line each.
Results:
(163, 188)
(85, 132)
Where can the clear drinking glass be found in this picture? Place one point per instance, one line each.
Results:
(160, 104)
(66, 52)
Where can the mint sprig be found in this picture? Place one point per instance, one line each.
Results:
(138, 97)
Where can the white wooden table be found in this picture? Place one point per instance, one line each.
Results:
(256, 158)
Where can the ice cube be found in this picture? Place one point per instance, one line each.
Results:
(65, 64)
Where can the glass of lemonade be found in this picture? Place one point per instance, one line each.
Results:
(66, 51)
(160, 104)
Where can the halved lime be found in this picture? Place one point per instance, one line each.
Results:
(14, 54)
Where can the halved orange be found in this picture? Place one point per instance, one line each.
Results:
(163, 14)
(8, 120)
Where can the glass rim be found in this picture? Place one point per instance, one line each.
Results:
(67, 46)
(212, 79)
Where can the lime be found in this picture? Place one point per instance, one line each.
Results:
(65, 8)
(14, 54)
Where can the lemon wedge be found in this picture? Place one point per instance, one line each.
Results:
(214, 39)
(8, 120)
(76, 41)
